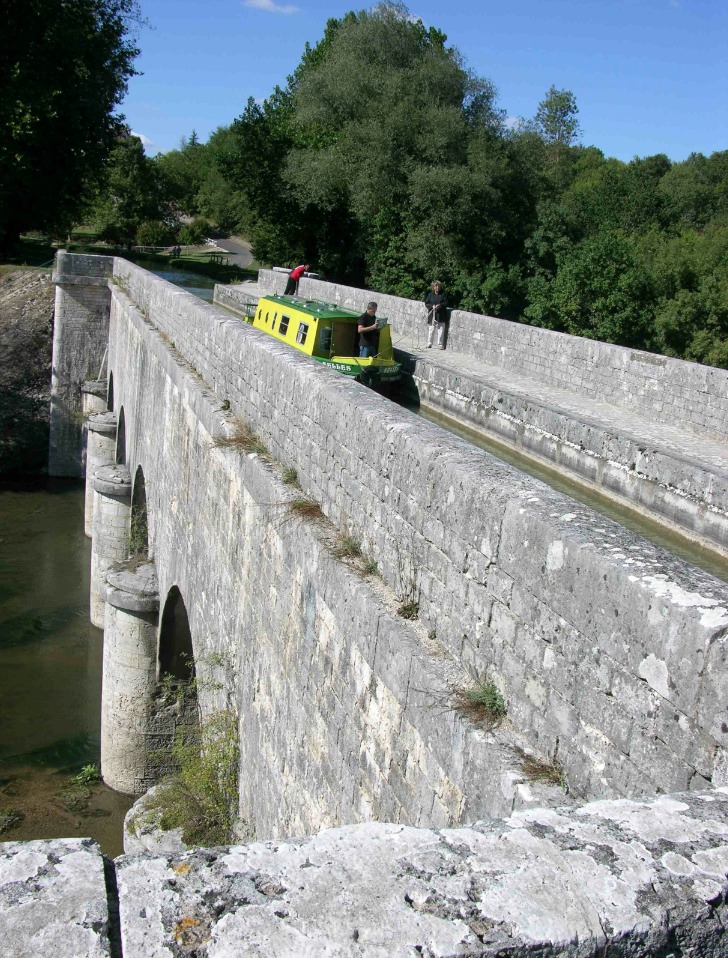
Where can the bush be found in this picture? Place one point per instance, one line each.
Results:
(481, 702)
(194, 233)
(154, 233)
(202, 797)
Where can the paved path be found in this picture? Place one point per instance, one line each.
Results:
(242, 254)
(679, 442)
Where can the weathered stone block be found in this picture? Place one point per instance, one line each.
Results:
(53, 899)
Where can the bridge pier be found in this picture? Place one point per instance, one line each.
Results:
(80, 340)
(129, 676)
(112, 518)
(100, 451)
(93, 400)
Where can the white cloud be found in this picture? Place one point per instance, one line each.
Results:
(146, 142)
(270, 6)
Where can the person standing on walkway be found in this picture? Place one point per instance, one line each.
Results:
(437, 316)
(368, 335)
(293, 279)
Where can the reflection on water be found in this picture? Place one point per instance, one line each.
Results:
(194, 283)
(50, 670)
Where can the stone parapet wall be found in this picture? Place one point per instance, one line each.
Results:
(637, 878)
(667, 390)
(235, 298)
(340, 701)
(54, 901)
(604, 646)
(80, 337)
(626, 878)
(647, 466)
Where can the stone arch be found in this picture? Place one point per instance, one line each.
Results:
(139, 527)
(176, 655)
(110, 393)
(121, 439)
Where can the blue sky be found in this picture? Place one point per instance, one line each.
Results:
(649, 76)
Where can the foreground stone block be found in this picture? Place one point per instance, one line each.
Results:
(644, 878)
(53, 900)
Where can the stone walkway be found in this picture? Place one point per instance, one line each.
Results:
(677, 442)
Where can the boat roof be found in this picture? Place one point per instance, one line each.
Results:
(314, 307)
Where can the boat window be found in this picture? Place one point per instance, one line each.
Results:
(267, 316)
(325, 337)
(273, 324)
(283, 328)
(302, 333)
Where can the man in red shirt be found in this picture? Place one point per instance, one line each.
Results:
(293, 278)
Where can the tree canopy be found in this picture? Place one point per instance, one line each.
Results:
(64, 67)
(387, 163)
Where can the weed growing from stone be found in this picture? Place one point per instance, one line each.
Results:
(303, 508)
(346, 547)
(409, 609)
(409, 594)
(9, 818)
(290, 477)
(79, 418)
(549, 772)
(369, 566)
(89, 775)
(138, 546)
(243, 439)
(202, 797)
(480, 702)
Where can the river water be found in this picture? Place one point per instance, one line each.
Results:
(50, 661)
(50, 671)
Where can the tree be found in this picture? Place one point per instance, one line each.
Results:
(64, 67)
(130, 194)
(183, 172)
(217, 199)
(556, 117)
(599, 291)
(384, 160)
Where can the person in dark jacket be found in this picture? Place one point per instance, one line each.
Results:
(437, 316)
(293, 279)
(368, 330)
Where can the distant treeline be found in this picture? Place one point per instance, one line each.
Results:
(386, 163)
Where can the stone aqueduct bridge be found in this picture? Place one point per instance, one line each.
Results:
(610, 653)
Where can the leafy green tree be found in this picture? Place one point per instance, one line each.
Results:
(556, 117)
(615, 195)
(599, 291)
(217, 198)
(182, 173)
(130, 194)
(64, 67)
(384, 160)
(689, 278)
(696, 191)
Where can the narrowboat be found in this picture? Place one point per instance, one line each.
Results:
(326, 333)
